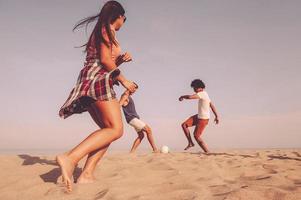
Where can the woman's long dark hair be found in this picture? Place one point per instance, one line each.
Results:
(108, 14)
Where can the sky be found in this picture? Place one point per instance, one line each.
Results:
(246, 51)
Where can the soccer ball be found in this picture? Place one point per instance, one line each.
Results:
(164, 149)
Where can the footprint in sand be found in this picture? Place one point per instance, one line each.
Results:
(230, 162)
(220, 190)
(53, 191)
(137, 197)
(255, 177)
(115, 175)
(150, 160)
(162, 166)
(182, 186)
(233, 163)
(271, 169)
(296, 179)
(101, 194)
(174, 187)
(272, 194)
(296, 153)
(219, 165)
(289, 188)
(202, 179)
(57, 191)
(262, 177)
(298, 183)
(230, 181)
(255, 163)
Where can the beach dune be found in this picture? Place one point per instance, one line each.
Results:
(232, 174)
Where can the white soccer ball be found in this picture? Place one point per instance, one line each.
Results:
(164, 149)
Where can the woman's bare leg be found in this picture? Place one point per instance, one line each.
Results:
(199, 129)
(150, 138)
(109, 112)
(191, 121)
(137, 141)
(87, 175)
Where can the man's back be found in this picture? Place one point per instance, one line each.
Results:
(204, 105)
(130, 110)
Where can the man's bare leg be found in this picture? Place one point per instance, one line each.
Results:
(203, 145)
(185, 125)
(198, 132)
(137, 141)
(150, 138)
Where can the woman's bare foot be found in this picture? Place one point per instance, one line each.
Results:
(189, 146)
(86, 178)
(67, 168)
(205, 154)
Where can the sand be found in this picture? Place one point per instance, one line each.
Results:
(236, 174)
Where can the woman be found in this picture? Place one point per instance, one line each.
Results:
(94, 93)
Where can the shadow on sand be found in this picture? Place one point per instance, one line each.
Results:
(51, 176)
(31, 160)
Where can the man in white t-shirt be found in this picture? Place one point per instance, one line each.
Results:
(201, 119)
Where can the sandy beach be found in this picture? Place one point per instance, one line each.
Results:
(232, 174)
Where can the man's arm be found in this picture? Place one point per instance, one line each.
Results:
(216, 120)
(124, 97)
(194, 96)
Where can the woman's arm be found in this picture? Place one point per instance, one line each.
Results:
(109, 65)
(106, 57)
(216, 120)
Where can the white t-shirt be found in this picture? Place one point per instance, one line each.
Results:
(204, 105)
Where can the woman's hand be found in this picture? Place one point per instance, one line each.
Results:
(126, 57)
(129, 85)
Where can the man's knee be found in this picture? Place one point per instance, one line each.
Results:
(184, 125)
(147, 129)
(141, 135)
(198, 137)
